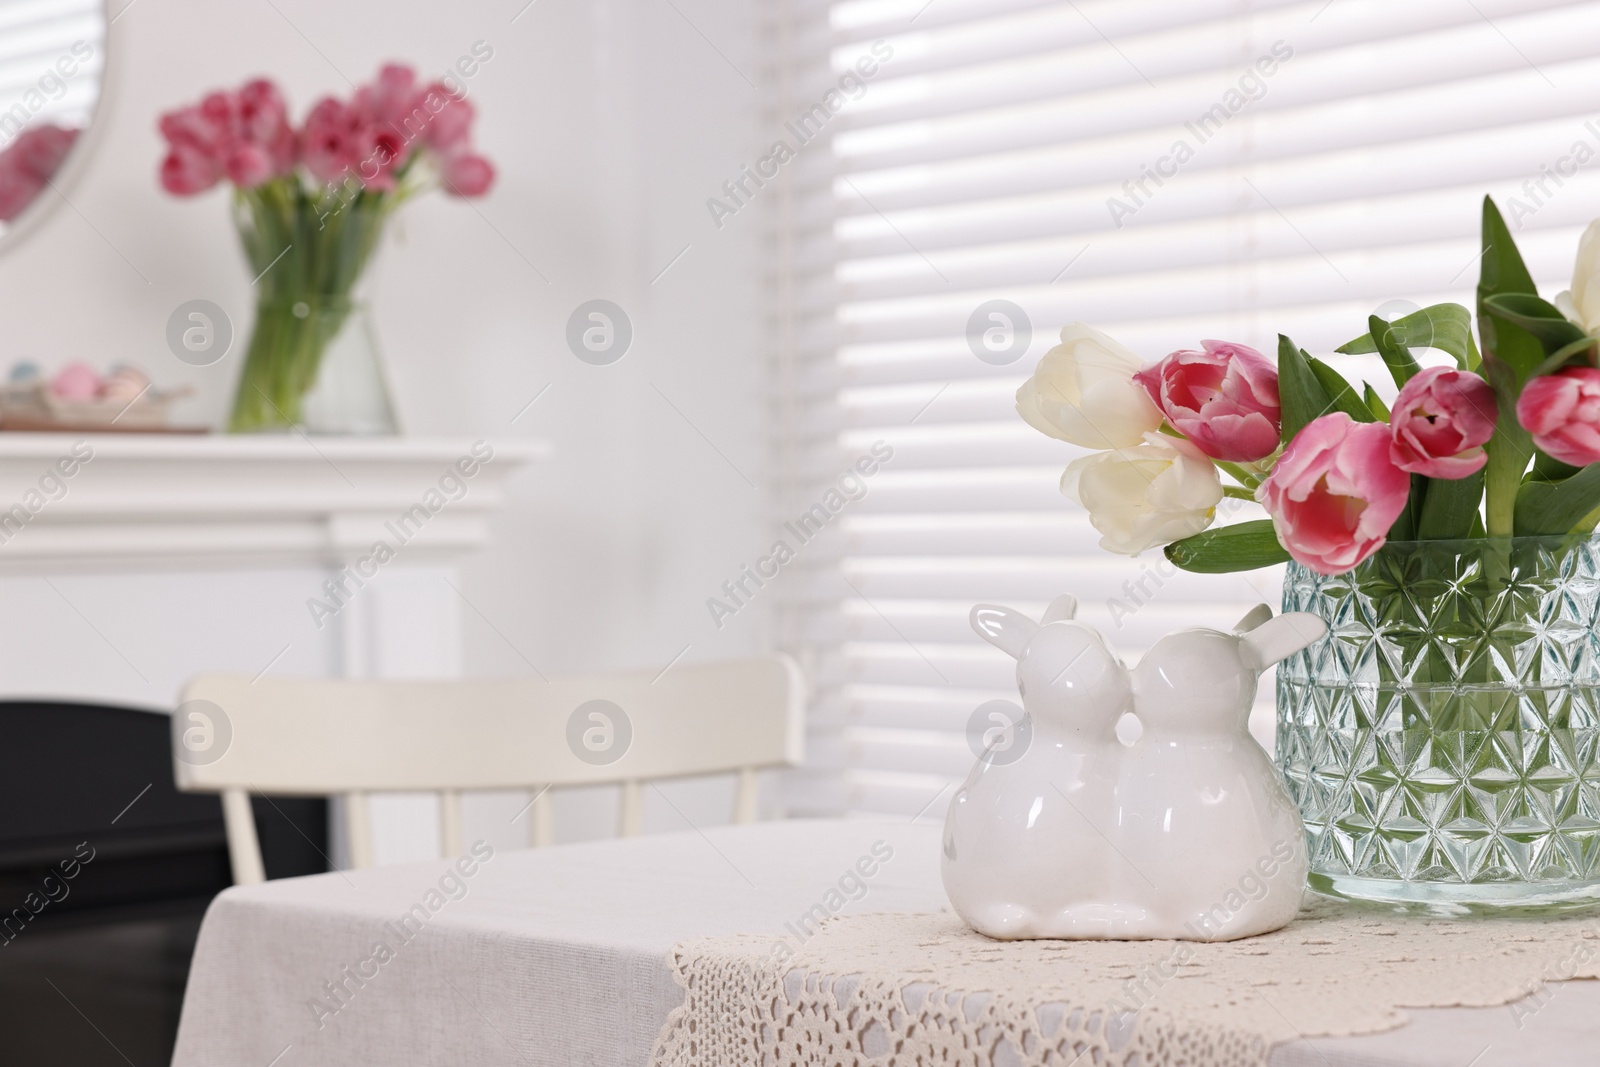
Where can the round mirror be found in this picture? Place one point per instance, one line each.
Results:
(52, 62)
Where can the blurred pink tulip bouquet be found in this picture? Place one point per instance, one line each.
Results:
(1504, 443)
(310, 205)
(386, 135)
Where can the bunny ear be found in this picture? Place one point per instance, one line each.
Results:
(1281, 637)
(1064, 606)
(1253, 618)
(1006, 629)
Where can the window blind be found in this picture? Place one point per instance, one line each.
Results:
(51, 61)
(1164, 171)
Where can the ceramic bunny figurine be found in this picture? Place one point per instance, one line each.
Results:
(1215, 845)
(1188, 833)
(1024, 852)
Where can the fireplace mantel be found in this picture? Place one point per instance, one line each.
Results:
(168, 556)
(148, 502)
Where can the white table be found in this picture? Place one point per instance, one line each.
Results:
(559, 956)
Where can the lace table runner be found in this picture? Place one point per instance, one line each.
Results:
(921, 988)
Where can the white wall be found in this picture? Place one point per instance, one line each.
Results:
(610, 122)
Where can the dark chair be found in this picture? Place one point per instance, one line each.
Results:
(105, 872)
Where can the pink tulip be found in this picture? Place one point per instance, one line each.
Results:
(194, 157)
(218, 112)
(342, 143)
(41, 150)
(1224, 399)
(385, 152)
(244, 136)
(390, 99)
(1562, 412)
(187, 171)
(331, 142)
(450, 118)
(27, 166)
(264, 123)
(191, 128)
(17, 190)
(1334, 493)
(466, 174)
(1440, 422)
(248, 166)
(262, 112)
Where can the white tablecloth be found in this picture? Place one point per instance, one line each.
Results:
(553, 956)
(559, 956)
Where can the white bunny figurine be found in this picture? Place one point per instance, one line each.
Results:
(1024, 852)
(1213, 843)
(1188, 833)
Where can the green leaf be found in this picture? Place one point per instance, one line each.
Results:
(1375, 402)
(1509, 451)
(1342, 397)
(1301, 396)
(1510, 355)
(1447, 327)
(1244, 546)
(1502, 269)
(1539, 317)
(1549, 469)
(1515, 357)
(1506, 343)
(1396, 356)
(1404, 527)
(1558, 507)
(1583, 346)
(1450, 507)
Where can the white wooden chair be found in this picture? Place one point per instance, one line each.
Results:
(325, 737)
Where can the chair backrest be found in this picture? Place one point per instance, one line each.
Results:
(331, 737)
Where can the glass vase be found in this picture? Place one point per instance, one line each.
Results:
(313, 364)
(1441, 742)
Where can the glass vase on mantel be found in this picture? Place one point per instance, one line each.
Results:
(1442, 742)
(312, 362)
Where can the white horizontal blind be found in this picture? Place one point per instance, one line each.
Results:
(1347, 149)
(41, 72)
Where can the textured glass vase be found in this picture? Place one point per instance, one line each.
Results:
(1441, 742)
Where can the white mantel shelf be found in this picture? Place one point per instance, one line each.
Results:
(158, 502)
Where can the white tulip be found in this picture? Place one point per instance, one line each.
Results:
(1581, 303)
(1083, 392)
(1154, 493)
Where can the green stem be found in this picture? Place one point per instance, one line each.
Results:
(1508, 451)
(1237, 493)
(1241, 474)
(306, 252)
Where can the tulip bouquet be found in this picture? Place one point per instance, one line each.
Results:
(310, 205)
(1441, 741)
(1504, 443)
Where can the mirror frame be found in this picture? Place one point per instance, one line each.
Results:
(77, 161)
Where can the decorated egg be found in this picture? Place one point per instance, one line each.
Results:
(76, 381)
(124, 383)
